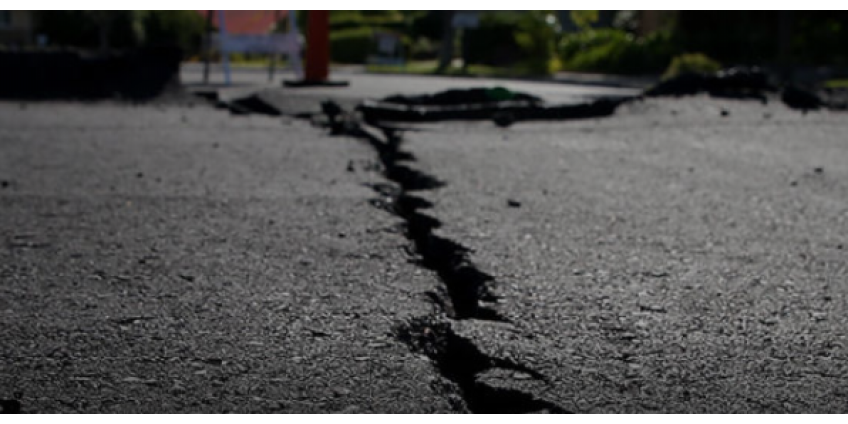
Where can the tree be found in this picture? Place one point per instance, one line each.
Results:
(446, 46)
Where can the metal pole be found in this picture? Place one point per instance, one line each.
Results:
(317, 67)
(225, 57)
(274, 52)
(208, 47)
(272, 65)
(318, 46)
(294, 34)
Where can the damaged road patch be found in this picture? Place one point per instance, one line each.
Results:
(464, 286)
(461, 362)
(244, 105)
(463, 291)
(502, 106)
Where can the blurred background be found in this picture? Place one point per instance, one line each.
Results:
(806, 46)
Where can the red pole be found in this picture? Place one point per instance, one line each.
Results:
(317, 46)
(317, 69)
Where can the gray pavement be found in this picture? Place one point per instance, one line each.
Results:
(681, 256)
(668, 259)
(175, 259)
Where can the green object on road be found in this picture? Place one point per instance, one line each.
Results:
(500, 94)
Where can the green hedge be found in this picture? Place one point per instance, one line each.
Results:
(355, 45)
(348, 19)
(736, 37)
(183, 28)
(616, 51)
(351, 45)
(524, 40)
(691, 63)
(127, 28)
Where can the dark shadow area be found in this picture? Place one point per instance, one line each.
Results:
(732, 83)
(750, 83)
(465, 284)
(458, 97)
(503, 113)
(255, 105)
(406, 203)
(797, 98)
(461, 362)
(485, 399)
(10, 406)
(241, 106)
(411, 179)
(139, 74)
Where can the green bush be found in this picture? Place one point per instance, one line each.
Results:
(182, 28)
(820, 37)
(426, 24)
(423, 48)
(616, 51)
(351, 45)
(655, 50)
(355, 45)
(584, 18)
(691, 63)
(523, 40)
(341, 20)
(594, 49)
(537, 36)
(126, 28)
(81, 28)
(492, 42)
(352, 32)
(752, 36)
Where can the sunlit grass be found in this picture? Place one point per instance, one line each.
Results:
(414, 67)
(836, 83)
(241, 61)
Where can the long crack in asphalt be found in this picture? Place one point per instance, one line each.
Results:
(464, 291)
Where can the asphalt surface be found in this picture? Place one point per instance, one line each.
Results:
(684, 255)
(175, 259)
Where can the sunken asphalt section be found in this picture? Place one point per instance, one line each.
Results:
(681, 256)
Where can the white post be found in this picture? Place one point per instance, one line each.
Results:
(272, 60)
(225, 56)
(294, 52)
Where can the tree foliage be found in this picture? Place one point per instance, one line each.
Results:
(124, 28)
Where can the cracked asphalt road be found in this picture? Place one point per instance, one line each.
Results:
(668, 259)
(671, 258)
(175, 259)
